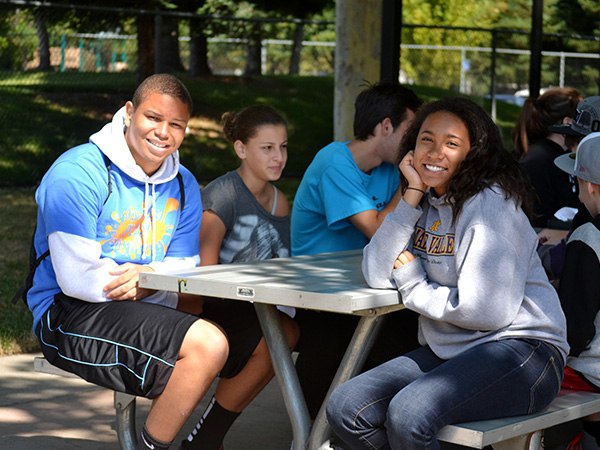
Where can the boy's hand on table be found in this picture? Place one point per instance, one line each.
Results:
(125, 286)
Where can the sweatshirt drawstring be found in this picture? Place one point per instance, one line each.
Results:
(146, 218)
(149, 229)
(153, 219)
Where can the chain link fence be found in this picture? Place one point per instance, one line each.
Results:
(49, 53)
(469, 60)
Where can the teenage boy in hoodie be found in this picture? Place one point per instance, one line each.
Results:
(108, 210)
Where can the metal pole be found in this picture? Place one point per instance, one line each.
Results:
(363, 338)
(391, 30)
(287, 378)
(561, 81)
(125, 408)
(81, 55)
(463, 71)
(535, 63)
(493, 74)
(157, 31)
(63, 48)
(263, 56)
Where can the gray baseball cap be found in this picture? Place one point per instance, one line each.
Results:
(586, 121)
(585, 162)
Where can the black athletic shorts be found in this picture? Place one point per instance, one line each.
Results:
(126, 346)
(239, 321)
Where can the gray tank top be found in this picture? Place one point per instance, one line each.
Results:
(252, 232)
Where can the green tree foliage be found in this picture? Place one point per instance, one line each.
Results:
(580, 16)
(445, 65)
(297, 10)
(17, 39)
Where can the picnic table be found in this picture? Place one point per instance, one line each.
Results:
(326, 282)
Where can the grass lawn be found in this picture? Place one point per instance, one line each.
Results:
(17, 221)
(42, 115)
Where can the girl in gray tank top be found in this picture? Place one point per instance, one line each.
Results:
(245, 218)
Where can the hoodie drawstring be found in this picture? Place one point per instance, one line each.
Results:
(153, 219)
(149, 211)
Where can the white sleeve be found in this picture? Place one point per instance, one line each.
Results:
(82, 273)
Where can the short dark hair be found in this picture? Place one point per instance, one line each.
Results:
(380, 100)
(244, 125)
(163, 83)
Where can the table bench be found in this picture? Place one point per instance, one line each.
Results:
(522, 432)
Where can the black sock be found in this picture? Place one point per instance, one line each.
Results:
(147, 441)
(593, 429)
(211, 429)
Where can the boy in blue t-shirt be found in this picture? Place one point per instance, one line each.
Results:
(343, 197)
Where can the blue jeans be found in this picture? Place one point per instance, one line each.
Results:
(402, 404)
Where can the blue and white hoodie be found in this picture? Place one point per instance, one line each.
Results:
(90, 232)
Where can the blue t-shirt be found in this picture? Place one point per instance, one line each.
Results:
(131, 224)
(333, 189)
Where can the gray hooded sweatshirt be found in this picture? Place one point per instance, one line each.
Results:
(476, 281)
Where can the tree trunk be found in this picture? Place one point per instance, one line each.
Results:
(43, 41)
(253, 56)
(297, 49)
(145, 41)
(169, 59)
(198, 64)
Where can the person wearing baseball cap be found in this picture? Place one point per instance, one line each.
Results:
(536, 146)
(586, 121)
(578, 288)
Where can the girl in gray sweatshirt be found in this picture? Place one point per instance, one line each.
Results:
(462, 253)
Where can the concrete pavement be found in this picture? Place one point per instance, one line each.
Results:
(39, 411)
(47, 412)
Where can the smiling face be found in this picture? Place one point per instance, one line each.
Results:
(265, 154)
(442, 144)
(155, 129)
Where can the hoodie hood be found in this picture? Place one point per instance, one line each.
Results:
(111, 141)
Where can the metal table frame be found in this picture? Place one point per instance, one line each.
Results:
(326, 282)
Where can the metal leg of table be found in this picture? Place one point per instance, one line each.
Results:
(125, 408)
(356, 354)
(285, 371)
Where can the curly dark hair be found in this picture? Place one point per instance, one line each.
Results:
(487, 163)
